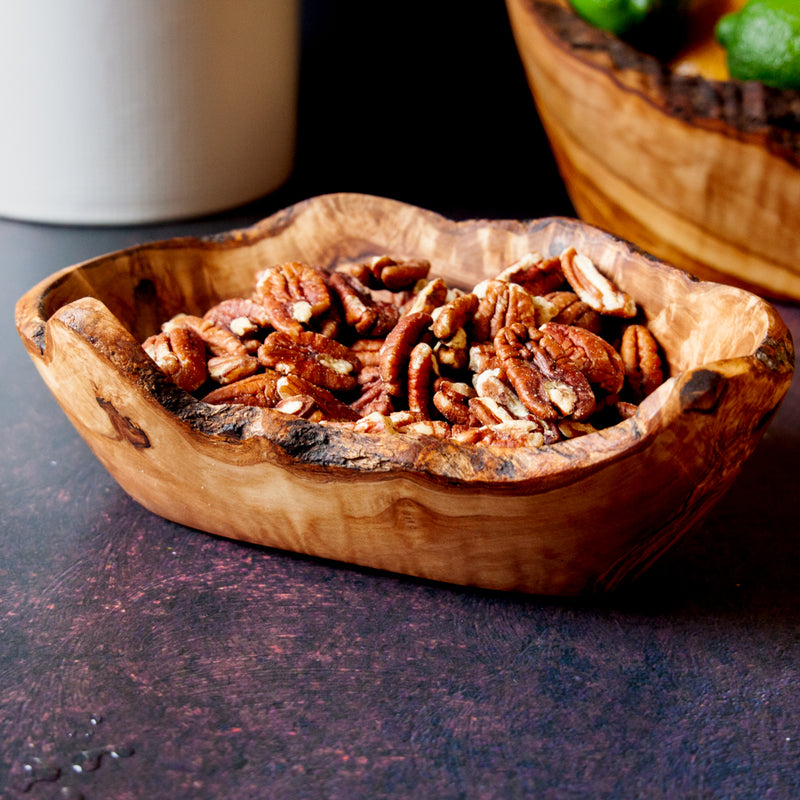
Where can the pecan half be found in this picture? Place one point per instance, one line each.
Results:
(625, 410)
(451, 400)
(489, 412)
(427, 427)
(593, 356)
(292, 294)
(396, 350)
(374, 422)
(502, 304)
(301, 405)
(568, 309)
(374, 397)
(385, 272)
(241, 316)
(429, 297)
(483, 356)
(454, 316)
(226, 369)
(571, 429)
(368, 351)
(231, 359)
(422, 369)
(219, 341)
(181, 355)
(536, 274)
(489, 385)
(256, 390)
(548, 390)
(367, 316)
(643, 367)
(328, 405)
(594, 288)
(314, 357)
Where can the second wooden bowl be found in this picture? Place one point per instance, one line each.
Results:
(703, 173)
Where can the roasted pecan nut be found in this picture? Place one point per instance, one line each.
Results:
(451, 400)
(547, 400)
(547, 390)
(640, 354)
(490, 385)
(515, 341)
(437, 428)
(374, 422)
(568, 309)
(422, 371)
(502, 304)
(570, 428)
(625, 410)
(593, 356)
(594, 288)
(454, 316)
(181, 354)
(239, 315)
(219, 341)
(314, 357)
(483, 356)
(449, 326)
(428, 297)
(489, 412)
(328, 405)
(301, 405)
(227, 369)
(256, 390)
(368, 351)
(396, 350)
(374, 396)
(536, 274)
(385, 272)
(292, 294)
(366, 315)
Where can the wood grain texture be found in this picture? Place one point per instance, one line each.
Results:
(704, 174)
(579, 516)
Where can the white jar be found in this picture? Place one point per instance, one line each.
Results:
(133, 111)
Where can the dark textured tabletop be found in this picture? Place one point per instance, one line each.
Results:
(140, 659)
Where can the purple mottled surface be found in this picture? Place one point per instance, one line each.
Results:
(140, 659)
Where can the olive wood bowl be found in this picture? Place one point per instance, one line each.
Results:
(571, 518)
(704, 174)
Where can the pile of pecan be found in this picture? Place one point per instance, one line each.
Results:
(547, 350)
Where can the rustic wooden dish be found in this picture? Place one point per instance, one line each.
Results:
(571, 518)
(704, 174)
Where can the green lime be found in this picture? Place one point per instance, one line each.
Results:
(762, 41)
(615, 16)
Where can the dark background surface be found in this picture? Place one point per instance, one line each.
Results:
(140, 659)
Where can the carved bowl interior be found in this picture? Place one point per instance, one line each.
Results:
(703, 173)
(571, 518)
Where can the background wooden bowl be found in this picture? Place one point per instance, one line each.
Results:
(704, 174)
(574, 517)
